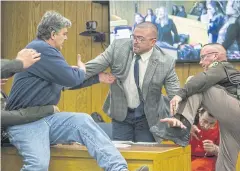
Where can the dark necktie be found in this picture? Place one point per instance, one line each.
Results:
(136, 75)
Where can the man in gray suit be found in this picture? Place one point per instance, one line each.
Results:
(135, 102)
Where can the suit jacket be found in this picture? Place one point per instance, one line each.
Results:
(10, 67)
(160, 72)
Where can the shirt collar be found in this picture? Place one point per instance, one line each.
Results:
(146, 55)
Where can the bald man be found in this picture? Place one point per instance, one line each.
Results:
(135, 100)
(218, 90)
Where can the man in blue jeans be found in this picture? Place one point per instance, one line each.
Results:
(41, 84)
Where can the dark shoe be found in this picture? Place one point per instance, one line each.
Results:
(177, 135)
(143, 168)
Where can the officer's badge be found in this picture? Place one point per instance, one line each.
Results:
(214, 64)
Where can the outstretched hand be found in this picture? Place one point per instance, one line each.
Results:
(173, 122)
(28, 57)
(106, 78)
(174, 103)
(80, 64)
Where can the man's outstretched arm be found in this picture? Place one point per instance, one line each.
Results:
(24, 59)
(23, 116)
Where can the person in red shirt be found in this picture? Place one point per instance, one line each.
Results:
(204, 141)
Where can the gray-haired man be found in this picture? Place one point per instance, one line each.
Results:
(41, 84)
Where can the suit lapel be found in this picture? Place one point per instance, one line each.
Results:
(125, 68)
(130, 58)
(152, 65)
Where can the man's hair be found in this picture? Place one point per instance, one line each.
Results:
(51, 21)
(222, 54)
(150, 25)
(201, 111)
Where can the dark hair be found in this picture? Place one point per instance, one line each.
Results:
(203, 2)
(174, 12)
(182, 7)
(201, 111)
(150, 9)
(216, 5)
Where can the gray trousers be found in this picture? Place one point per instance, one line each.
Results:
(132, 129)
(226, 109)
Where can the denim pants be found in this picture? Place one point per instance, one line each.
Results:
(33, 140)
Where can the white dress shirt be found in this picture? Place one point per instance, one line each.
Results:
(129, 84)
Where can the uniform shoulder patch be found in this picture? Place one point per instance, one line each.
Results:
(214, 64)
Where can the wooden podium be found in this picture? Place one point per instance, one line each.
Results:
(164, 157)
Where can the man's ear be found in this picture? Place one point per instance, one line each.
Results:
(216, 57)
(53, 34)
(154, 41)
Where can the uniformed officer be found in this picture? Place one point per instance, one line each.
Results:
(218, 90)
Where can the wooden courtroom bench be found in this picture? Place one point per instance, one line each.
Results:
(75, 157)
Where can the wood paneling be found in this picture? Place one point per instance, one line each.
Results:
(19, 24)
(84, 44)
(119, 8)
(99, 90)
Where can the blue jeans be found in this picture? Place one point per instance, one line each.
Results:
(33, 140)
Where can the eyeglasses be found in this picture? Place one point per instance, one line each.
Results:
(203, 56)
(139, 39)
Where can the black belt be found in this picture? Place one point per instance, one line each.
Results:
(131, 110)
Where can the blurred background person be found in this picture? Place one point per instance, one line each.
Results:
(216, 20)
(166, 27)
(197, 9)
(182, 12)
(232, 40)
(151, 17)
(232, 12)
(229, 33)
(175, 10)
(204, 141)
(138, 19)
(204, 16)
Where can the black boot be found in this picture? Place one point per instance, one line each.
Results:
(177, 135)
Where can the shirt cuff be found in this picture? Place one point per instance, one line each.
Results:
(18, 65)
(182, 93)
